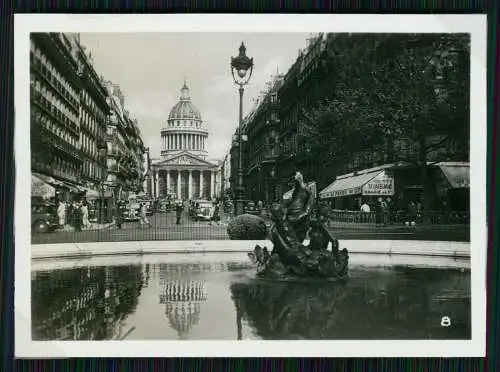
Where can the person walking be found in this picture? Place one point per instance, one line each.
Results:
(143, 218)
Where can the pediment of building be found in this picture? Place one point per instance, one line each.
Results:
(184, 159)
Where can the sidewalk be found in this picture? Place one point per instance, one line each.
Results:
(93, 226)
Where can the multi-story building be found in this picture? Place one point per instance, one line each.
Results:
(301, 88)
(70, 113)
(94, 111)
(125, 149)
(56, 157)
(262, 145)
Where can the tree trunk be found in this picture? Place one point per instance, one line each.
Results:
(426, 218)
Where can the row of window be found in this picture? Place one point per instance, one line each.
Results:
(185, 123)
(64, 168)
(41, 118)
(43, 60)
(88, 121)
(88, 145)
(53, 101)
(87, 100)
(90, 170)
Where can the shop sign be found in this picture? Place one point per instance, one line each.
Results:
(381, 185)
(347, 192)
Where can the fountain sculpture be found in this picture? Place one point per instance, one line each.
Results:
(291, 257)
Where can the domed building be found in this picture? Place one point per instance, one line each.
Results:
(183, 171)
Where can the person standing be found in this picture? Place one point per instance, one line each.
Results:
(61, 214)
(178, 213)
(119, 214)
(85, 215)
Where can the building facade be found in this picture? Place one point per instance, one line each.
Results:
(183, 172)
(74, 114)
(56, 156)
(125, 155)
(93, 113)
(262, 145)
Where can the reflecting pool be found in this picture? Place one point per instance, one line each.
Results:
(202, 297)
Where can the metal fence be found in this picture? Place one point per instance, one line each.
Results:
(343, 224)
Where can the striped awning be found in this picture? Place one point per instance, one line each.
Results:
(348, 185)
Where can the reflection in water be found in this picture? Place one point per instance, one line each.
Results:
(182, 296)
(84, 303)
(210, 300)
(397, 304)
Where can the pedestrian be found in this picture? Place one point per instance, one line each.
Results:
(178, 213)
(119, 210)
(77, 217)
(379, 212)
(85, 215)
(365, 211)
(216, 216)
(143, 218)
(61, 214)
(412, 214)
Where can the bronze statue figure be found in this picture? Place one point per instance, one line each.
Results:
(290, 257)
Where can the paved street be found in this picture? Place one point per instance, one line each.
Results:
(164, 228)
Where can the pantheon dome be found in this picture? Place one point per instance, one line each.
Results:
(183, 172)
(184, 129)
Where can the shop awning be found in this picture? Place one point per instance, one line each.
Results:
(456, 173)
(41, 188)
(347, 185)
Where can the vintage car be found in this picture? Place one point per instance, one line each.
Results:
(251, 208)
(204, 211)
(43, 217)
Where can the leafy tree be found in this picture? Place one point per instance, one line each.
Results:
(382, 88)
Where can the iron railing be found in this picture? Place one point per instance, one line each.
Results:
(343, 224)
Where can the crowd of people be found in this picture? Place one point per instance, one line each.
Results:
(74, 214)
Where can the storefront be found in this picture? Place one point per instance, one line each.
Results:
(100, 205)
(63, 190)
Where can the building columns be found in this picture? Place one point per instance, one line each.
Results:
(168, 181)
(157, 184)
(190, 184)
(212, 184)
(179, 185)
(201, 184)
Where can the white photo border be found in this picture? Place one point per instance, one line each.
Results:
(476, 25)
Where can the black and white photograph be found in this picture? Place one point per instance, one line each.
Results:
(253, 181)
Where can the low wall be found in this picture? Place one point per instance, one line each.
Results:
(403, 247)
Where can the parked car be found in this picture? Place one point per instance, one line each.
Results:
(205, 211)
(164, 206)
(44, 217)
(251, 208)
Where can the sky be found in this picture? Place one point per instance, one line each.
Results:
(150, 70)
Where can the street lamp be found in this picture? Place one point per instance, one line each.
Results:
(241, 69)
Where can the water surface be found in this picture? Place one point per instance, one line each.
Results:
(218, 297)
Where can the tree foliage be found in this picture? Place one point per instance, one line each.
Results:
(394, 86)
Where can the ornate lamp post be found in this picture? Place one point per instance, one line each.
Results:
(243, 66)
